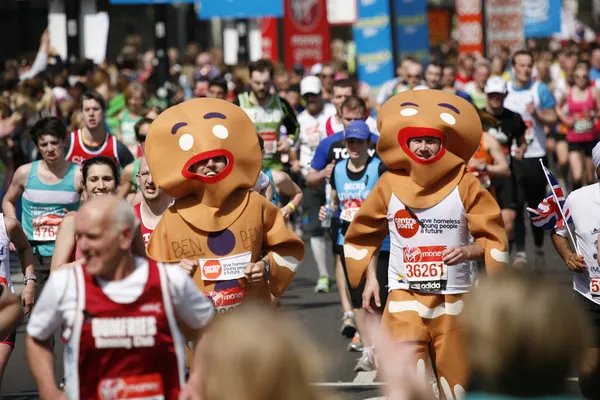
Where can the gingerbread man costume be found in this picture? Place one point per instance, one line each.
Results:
(217, 220)
(427, 206)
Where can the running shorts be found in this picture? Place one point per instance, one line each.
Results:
(587, 147)
(593, 312)
(382, 278)
(506, 195)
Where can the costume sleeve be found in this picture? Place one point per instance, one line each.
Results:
(484, 221)
(284, 249)
(158, 247)
(366, 232)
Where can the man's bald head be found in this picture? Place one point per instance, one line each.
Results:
(105, 228)
(110, 211)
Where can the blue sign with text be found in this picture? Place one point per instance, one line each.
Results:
(412, 35)
(373, 36)
(208, 9)
(541, 17)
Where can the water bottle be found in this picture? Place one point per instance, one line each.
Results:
(326, 223)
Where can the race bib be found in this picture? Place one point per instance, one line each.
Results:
(227, 299)
(595, 287)
(143, 387)
(583, 124)
(45, 227)
(348, 214)
(224, 269)
(424, 269)
(270, 139)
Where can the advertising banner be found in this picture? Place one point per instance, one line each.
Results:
(504, 23)
(208, 9)
(306, 33)
(439, 25)
(373, 37)
(470, 26)
(412, 37)
(270, 44)
(541, 17)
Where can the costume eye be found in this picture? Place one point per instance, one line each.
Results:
(220, 131)
(448, 118)
(186, 141)
(409, 112)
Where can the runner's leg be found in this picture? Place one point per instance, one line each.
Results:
(576, 166)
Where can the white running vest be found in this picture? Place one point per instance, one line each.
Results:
(416, 247)
(517, 101)
(5, 256)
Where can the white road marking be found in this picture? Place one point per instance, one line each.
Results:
(365, 377)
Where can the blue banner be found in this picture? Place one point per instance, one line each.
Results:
(208, 9)
(541, 17)
(150, 1)
(412, 35)
(373, 37)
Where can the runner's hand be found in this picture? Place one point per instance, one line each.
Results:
(189, 266)
(371, 290)
(455, 255)
(284, 145)
(322, 213)
(530, 109)
(12, 247)
(329, 169)
(296, 167)
(255, 273)
(286, 211)
(575, 262)
(28, 296)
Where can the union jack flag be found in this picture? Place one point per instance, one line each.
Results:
(547, 215)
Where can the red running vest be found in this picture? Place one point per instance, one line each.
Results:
(146, 232)
(127, 351)
(78, 153)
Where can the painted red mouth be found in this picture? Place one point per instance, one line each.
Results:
(187, 174)
(405, 134)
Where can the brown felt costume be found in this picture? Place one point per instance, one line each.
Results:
(428, 320)
(215, 218)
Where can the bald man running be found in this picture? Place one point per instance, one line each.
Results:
(119, 315)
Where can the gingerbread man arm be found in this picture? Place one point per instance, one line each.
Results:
(367, 231)
(485, 223)
(284, 249)
(158, 246)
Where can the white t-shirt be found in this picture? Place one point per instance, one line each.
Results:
(312, 131)
(584, 205)
(338, 126)
(58, 301)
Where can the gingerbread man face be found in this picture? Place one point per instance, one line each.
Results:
(185, 137)
(427, 113)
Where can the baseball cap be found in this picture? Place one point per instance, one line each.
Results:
(316, 69)
(310, 84)
(496, 84)
(358, 130)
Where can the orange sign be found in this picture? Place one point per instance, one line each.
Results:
(406, 225)
(438, 20)
(470, 25)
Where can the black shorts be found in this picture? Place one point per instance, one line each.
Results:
(382, 278)
(333, 234)
(42, 272)
(557, 136)
(587, 147)
(311, 204)
(506, 195)
(593, 312)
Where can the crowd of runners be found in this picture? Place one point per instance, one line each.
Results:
(80, 189)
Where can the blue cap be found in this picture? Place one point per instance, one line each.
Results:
(358, 130)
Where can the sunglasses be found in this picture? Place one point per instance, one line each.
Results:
(581, 76)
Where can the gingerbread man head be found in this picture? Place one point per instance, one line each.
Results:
(203, 147)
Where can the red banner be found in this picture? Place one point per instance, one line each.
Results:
(270, 43)
(504, 23)
(306, 32)
(470, 25)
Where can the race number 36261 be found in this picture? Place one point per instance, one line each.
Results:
(424, 268)
(595, 287)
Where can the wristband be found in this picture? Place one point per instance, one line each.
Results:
(292, 206)
(29, 278)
